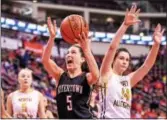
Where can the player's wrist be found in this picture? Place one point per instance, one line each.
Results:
(87, 50)
(124, 24)
(52, 38)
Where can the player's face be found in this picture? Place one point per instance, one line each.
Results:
(25, 78)
(73, 58)
(122, 61)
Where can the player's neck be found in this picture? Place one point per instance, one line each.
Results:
(74, 73)
(25, 90)
(117, 72)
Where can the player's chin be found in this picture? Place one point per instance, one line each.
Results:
(123, 69)
(26, 85)
(70, 67)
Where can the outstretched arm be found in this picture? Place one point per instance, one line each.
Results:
(93, 75)
(51, 67)
(151, 58)
(130, 19)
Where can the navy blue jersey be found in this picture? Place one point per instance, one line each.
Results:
(72, 97)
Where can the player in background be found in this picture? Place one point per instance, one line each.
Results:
(25, 102)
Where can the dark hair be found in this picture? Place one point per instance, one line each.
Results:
(84, 65)
(117, 53)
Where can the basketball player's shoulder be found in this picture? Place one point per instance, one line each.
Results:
(10, 96)
(39, 93)
(107, 75)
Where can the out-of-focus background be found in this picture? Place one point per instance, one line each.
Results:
(24, 33)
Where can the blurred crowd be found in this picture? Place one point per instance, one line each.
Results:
(11, 63)
(149, 95)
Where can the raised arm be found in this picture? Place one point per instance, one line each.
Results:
(138, 75)
(130, 19)
(93, 75)
(51, 67)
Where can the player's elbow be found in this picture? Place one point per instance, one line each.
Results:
(45, 57)
(45, 60)
(95, 78)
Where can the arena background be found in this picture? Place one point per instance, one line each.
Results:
(24, 33)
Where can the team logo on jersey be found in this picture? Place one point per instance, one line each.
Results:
(125, 93)
(124, 83)
(24, 107)
(70, 88)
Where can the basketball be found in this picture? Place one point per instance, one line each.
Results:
(72, 26)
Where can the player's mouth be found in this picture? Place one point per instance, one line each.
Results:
(69, 60)
(123, 66)
(25, 82)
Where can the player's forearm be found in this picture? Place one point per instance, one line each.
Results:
(118, 36)
(93, 68)
(48, 49)
(109, 56)
(151, 58)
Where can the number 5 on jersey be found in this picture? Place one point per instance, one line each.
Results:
(69, 101)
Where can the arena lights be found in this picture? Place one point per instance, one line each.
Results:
(100, 34)
(95, 36)
(27, 30)
(41, 28)
(146, 38)
(95, 39)
(129, 42)
(141, 42)
(91, 34)
(45, 34)
(21, 24)
(5, 26)
(58, 35)
(15, 28)
(10, 21)
(32, 26)
(106, 39)
(150, 43)
(126, 37)
(2, 20)
(164, 43)
(135, 37)
(163, 38)
(37, 32)
(110, 35)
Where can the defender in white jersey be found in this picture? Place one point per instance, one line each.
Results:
(117, 95)
(25, 102)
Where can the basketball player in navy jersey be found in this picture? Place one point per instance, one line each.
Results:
(73, 85)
